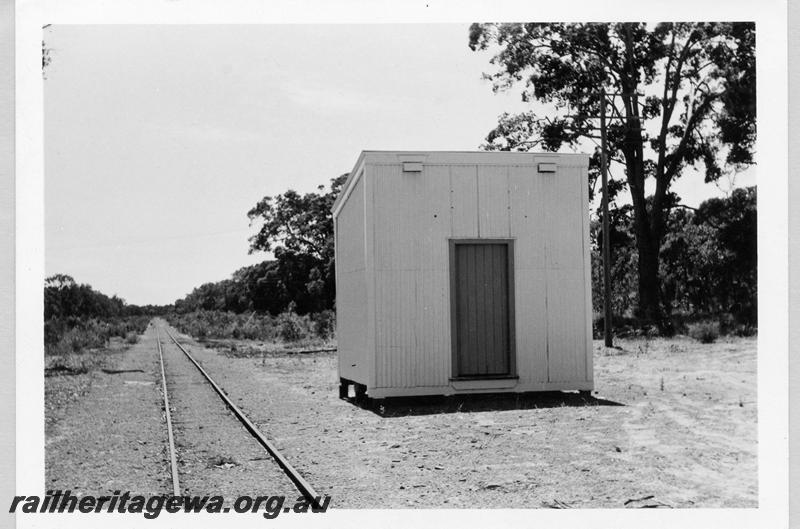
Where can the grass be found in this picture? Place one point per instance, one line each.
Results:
(76, 349)
(72, 364)
(77, 346)
(705, 326)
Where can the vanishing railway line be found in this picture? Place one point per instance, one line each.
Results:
(173, 459)
(254, 433)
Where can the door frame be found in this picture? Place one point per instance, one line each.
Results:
(512, 341)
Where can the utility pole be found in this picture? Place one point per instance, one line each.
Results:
(606, 243)
(607, 318)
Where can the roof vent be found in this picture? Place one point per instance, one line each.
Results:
(412, 167)
(547, 167)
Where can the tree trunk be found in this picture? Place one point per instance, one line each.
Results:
(648, 244)
(649, 306)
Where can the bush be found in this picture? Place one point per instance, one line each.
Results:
(68, 363)
(745, 330)
(286, 327)
(704, 332)
(76, 334)
(293, 328)
(131, 338)
(324, 324)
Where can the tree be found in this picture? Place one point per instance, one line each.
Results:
(708, 263)
(298, 229)
(685, 97)
(709, 257)
(64, 298)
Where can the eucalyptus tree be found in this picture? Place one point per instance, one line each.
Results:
(680, 95)
(298, 230)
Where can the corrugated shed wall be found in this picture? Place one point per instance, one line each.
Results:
(566, 314)
(416, 214)
(351, 293)
(528, 217)
(412, 224)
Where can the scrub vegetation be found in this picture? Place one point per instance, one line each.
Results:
(286, 327)
(79, 320)
(707, 264)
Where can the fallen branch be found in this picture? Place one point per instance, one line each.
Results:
(557, 504)
(639, 499)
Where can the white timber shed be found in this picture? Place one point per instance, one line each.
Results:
(463, 272)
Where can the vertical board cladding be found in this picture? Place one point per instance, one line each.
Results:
(583, 178)
(351, 280)
(565, 275)
(463, 201)
(412, 224)
(527, 219)
(406, 290)
(493, 206)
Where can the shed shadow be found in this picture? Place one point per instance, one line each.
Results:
(439, 404)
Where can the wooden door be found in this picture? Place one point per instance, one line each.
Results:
(482, 308)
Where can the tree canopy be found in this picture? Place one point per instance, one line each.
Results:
(680, 95)
(708, 262)
(298, 229)
(65, 298)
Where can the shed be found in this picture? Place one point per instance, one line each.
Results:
(463, 272)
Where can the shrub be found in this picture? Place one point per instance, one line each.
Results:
(287, 326)
(324, 324)
(67, 363)
(76, 334)
(131, 338)
(745, 330)
(704, 332)
(291, 327)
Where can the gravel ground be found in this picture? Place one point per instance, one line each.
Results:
(108, 433)
(675, 426)
(216, 455)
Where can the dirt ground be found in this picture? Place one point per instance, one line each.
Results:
(673, 424)
(672, 419)
(104, 429)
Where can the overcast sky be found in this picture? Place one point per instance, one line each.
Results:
(159, 139)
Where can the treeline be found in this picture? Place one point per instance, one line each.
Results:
(707, 270)
(298, 230)
(267, 287)
(708, 265)
(77, 317)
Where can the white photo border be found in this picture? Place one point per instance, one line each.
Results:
(772, 148)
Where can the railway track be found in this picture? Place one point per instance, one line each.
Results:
(288, 470)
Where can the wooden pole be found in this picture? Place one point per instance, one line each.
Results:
(606, 243)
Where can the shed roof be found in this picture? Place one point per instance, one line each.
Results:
(453, 158)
